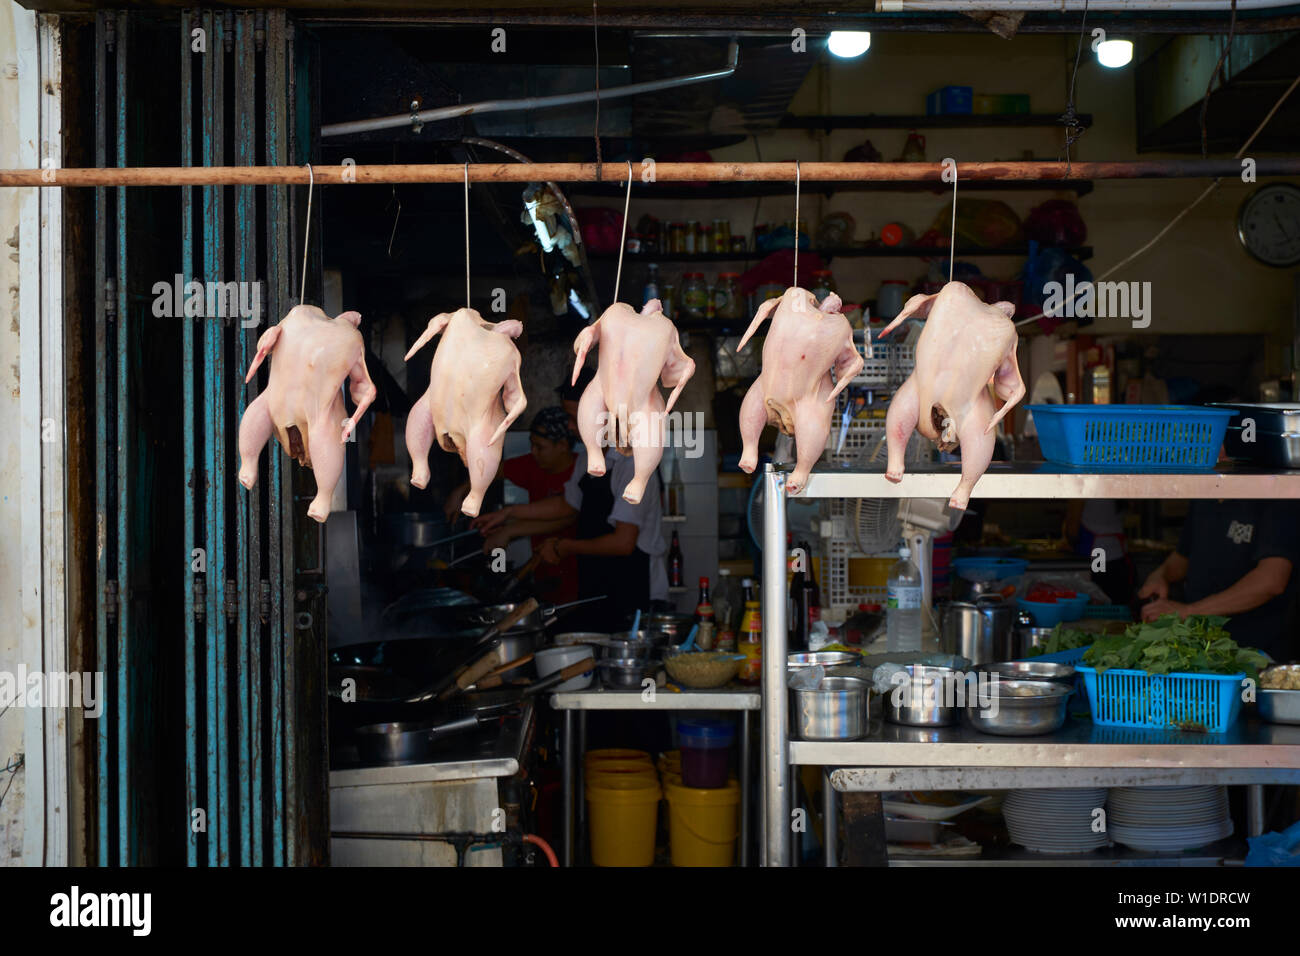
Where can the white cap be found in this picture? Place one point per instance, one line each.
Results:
(724, 572)
(904, 552)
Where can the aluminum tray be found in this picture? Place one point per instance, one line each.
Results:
(1277, 433)
(1279, 706)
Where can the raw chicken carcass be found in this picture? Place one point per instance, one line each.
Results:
(622, 405)
(794, 392)
(965, 347)
(303, 399)
(474, 395)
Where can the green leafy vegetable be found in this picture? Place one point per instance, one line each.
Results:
(1063, 639)
(1196, 645)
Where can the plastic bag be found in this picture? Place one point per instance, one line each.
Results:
(984, 223)
(883, 679)
(807, 678)
(1275, 849)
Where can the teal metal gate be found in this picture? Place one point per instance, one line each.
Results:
(234, 764)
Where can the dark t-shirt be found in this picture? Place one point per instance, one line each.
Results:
(1223, 541)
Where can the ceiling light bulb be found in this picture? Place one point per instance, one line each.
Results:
(848, 43)
(1115, 53)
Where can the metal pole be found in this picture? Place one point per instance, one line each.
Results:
(776, 796)
(830, 821)
(566, 763)
(1254, 809)
(746, 785)
(214, 175)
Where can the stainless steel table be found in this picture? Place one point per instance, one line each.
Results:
(1081, 754)
(576, 704)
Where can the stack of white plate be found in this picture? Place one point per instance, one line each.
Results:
(1055, 821)
(1167, 819)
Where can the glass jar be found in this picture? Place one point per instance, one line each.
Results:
(823, 284)
(695, 297)
(676, 237)
(721, 235)
(728, 304)
(668, 299)
(692, 235)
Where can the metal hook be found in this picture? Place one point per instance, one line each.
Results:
(306, 236)
(622, 244)
(952, 241)
(467, 235)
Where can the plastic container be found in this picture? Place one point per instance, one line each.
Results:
(703, 824)
(1049, 615)
(1210, 703)
(622, 812)
(706, 752)
(620, 768)
(552, 659)
(1132, 438)
(615, 753)
(903, 608)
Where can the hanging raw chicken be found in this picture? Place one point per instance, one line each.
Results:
(622, 406)
(303, 398)
(795, 392)
(966, 347)
(474, 395)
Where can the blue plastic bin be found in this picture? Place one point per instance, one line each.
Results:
(989, 569)
(1050, 615)
(1129, 698)
(1132, 438)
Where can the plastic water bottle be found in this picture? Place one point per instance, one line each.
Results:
(903, 609)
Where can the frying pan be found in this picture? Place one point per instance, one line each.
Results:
(405, 741)
(474, 659)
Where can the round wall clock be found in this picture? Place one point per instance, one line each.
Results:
(1269, 224)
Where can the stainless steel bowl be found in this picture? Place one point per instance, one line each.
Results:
(824, 658)
(836, 710)
(1018, 708)
(626, 673)
(1025, 638)
(1031, 670)
(1279, 706)
(926, 699)
(614, 649)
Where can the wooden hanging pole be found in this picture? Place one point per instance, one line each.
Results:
(662, 173)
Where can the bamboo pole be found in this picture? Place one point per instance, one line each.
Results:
(645, 173)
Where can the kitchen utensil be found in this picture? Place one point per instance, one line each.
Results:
(689, 643)
(473, 657)
(636, 624)
(1022, 708)
(503, 674)
(614, 649)
(979, 631)
(554, 659)
(1279, 706)
(702, 669)
(835, 710)
(472, 673)
(1276, 433)
(1024, 638)
(626, 673)
(1055, 821)
(402, 741)
(515, 580)
(1031, 670)
(927, 698)
(824, 658)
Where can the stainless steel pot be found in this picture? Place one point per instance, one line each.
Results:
(980, 632)
(927, 698)
(1025, 638)
(835, 710)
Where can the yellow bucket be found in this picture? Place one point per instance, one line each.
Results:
(670, 761)
(622, 812)
(702, 824)
(615, 753)
(620, 768)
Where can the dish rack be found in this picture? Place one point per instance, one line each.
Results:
(886, 369)
(1130, 698)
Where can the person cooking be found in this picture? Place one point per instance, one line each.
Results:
(1236, 559)
(619, 546)
(542, 473)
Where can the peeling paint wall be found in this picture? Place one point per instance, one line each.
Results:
(11, 723)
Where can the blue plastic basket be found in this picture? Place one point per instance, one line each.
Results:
(1133, 438)
(1129, 698)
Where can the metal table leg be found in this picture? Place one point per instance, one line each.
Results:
(830, 822)
(744, 787)
(795, 847)
(775, 750)
(567, 769)
(1254, 809)
(580, 789)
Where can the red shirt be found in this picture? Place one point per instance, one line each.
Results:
(555, 582)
